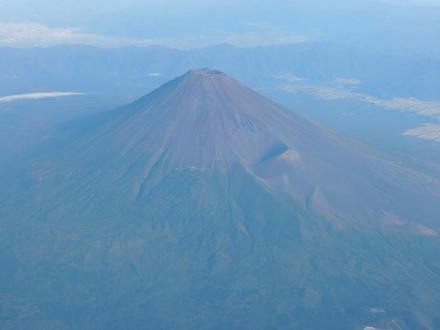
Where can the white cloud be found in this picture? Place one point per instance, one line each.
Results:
(39, 35)
(426, 132)
(421, 107)
(416, 3)
(154, 74)
(290, 77)
(377, 311)
(349, 82)
(36, 96)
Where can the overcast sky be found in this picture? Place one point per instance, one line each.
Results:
(387, 25)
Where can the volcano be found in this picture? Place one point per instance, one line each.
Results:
(205, 205)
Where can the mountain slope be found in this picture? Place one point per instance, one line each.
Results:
(205, 205)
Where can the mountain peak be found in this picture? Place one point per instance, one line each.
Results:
(205, 77)
(205, 72)
(206, 119)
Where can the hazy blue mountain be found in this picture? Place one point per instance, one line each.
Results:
(206, 205)
(131, 70)
(120, 75)
(406, 27)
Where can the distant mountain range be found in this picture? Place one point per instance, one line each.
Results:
(205, 205)
(132, 70)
